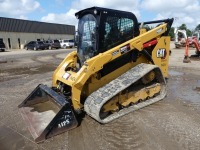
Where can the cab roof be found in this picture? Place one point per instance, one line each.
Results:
(100, 10)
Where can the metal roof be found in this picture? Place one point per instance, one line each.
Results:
(27, 26)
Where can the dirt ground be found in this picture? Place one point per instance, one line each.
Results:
(171, 124)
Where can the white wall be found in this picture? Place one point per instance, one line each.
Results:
(26, 37)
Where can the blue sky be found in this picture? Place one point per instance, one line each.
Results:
(50, 6)
(62, 11)
(62, 6)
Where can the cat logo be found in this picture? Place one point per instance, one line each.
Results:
(161, 53)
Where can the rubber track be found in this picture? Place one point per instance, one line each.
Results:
(97, 99)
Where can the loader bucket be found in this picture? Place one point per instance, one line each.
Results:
(47, 113)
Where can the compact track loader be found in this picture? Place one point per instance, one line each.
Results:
(119, 67)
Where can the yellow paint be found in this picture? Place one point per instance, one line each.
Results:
(163, 43)
(132, 97)
(86, 80)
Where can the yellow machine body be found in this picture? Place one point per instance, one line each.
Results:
(86, 80)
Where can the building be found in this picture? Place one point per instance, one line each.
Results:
(15, 33)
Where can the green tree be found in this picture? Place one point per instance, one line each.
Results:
(189, 32)
(197, 27)
(183, 27)
(171, 32)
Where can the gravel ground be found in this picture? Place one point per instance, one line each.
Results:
(173, 123)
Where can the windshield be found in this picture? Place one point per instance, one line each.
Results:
(87, 38)
(56, 41)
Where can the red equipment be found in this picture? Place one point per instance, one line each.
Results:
(197, 46)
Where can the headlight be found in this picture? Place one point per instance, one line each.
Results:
(95, 11)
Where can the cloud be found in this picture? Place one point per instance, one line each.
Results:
(185, 11)
(126, 5)
(17, 8)
(65, 18)
(164, 5)
(69, 17)
(23, 17)
(60, 2)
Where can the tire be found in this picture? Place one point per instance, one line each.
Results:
(64, 46)
(70, 46)
(26, 48)
(34, 48)
(50, 47)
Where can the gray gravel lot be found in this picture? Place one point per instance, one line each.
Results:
(171, 124)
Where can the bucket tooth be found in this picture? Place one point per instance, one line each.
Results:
(47, 113)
